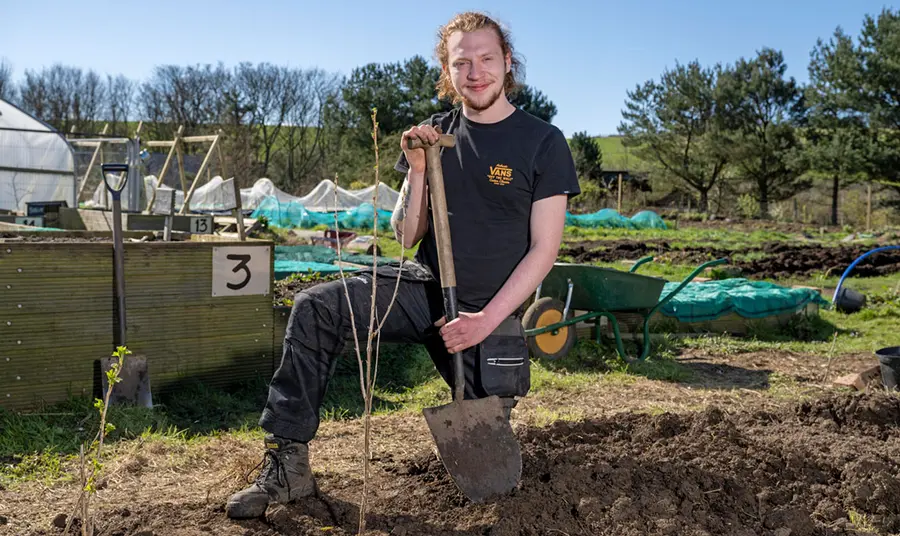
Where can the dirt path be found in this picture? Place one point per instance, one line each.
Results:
(731, 451)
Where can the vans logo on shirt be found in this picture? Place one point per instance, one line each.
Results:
(500, 175)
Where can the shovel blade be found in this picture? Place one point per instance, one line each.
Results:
(477, 446)
(134, 387)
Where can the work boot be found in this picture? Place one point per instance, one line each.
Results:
(285, 476)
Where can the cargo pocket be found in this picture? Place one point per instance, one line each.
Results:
(504, 369)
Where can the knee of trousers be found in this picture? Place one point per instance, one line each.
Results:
(318, 312)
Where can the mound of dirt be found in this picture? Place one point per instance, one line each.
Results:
(801, 471)
(780, 259)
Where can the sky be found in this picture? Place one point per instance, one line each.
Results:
(584, 56)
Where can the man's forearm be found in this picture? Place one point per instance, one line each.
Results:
(407, 220)
(527, 275)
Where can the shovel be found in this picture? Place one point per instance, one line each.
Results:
(474, 439)
(134, 387)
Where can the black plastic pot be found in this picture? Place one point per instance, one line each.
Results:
(848, 300)
(890, 367)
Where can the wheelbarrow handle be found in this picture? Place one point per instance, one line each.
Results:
(671, 295)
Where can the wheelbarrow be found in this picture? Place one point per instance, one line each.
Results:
(602, 292)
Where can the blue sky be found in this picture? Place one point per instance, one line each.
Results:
(583, 55)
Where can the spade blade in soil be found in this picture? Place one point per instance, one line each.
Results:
(477, 446)
(134, 387)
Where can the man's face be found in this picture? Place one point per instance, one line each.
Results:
(477, 67)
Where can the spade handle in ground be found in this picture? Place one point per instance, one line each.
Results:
(435, 177)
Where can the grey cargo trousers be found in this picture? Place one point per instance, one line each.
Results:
(319, 327)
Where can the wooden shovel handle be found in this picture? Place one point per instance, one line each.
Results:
(445, 140)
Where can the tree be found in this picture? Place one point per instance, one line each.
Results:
(266, 95)
(587, 156)
(304, 140)
(534, 102)
(119, 102)
(878, 92)
(7, 88)
(677, 124)
(763, 110)
(403, 93)
(837, 147)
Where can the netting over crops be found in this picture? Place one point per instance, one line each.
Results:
(700, 302)
(294, 215)
(609, 218)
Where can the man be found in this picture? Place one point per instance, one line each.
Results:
(507, 183)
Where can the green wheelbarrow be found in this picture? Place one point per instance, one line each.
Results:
(602, 292)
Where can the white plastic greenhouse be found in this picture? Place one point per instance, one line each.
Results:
(36, 162)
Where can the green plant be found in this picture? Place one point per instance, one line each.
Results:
(91, 466)
(748, 206)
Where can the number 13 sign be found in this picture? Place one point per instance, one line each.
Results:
(240, 270)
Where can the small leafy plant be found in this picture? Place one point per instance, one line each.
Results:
(91, 465)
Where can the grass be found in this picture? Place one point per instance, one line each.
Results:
(37, 446)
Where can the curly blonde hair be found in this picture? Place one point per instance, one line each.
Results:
(471, 21)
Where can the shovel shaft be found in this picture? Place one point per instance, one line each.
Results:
(435, 177)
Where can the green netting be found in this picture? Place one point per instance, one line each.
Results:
(699, 302)
(366, 259)
(606, 217)
(361, 217)
(610, 218)
(308, 253)
(284, 268)
(315, 258)
(647, 219)
(293, 215)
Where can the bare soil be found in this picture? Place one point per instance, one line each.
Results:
(723, 453)
(780, 260)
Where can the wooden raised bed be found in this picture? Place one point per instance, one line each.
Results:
(59, 313)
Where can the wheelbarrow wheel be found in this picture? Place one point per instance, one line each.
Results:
(554, 344)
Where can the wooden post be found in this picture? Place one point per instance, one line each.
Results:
(238, 211)
(869, 206)
(619, 204)
(190, 193)
(180, 156)
(91, 164)
(170, 218)
(165, 168)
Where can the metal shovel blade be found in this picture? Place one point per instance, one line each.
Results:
(134, 387)
(477, 446)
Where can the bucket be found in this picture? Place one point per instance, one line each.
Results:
(890, 367)
(848, 300)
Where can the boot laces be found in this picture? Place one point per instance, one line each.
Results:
(271, 463)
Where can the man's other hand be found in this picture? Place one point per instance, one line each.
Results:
(466, 331)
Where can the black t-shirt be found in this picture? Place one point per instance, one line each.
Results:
(491, 177)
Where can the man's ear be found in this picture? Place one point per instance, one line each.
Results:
(508, 60)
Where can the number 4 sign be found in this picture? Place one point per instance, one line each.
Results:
(241, 270)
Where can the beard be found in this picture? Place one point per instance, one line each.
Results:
(482, 102)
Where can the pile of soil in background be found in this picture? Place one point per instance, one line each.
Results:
(781, 259)
(799, 471)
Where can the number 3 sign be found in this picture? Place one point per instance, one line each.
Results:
(241, 270)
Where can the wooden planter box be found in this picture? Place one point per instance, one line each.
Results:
(186, 311)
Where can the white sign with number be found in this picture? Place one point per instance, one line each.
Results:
(241, 270)
(31, 221)
(202, 224)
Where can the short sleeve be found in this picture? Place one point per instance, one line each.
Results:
(554, 168)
